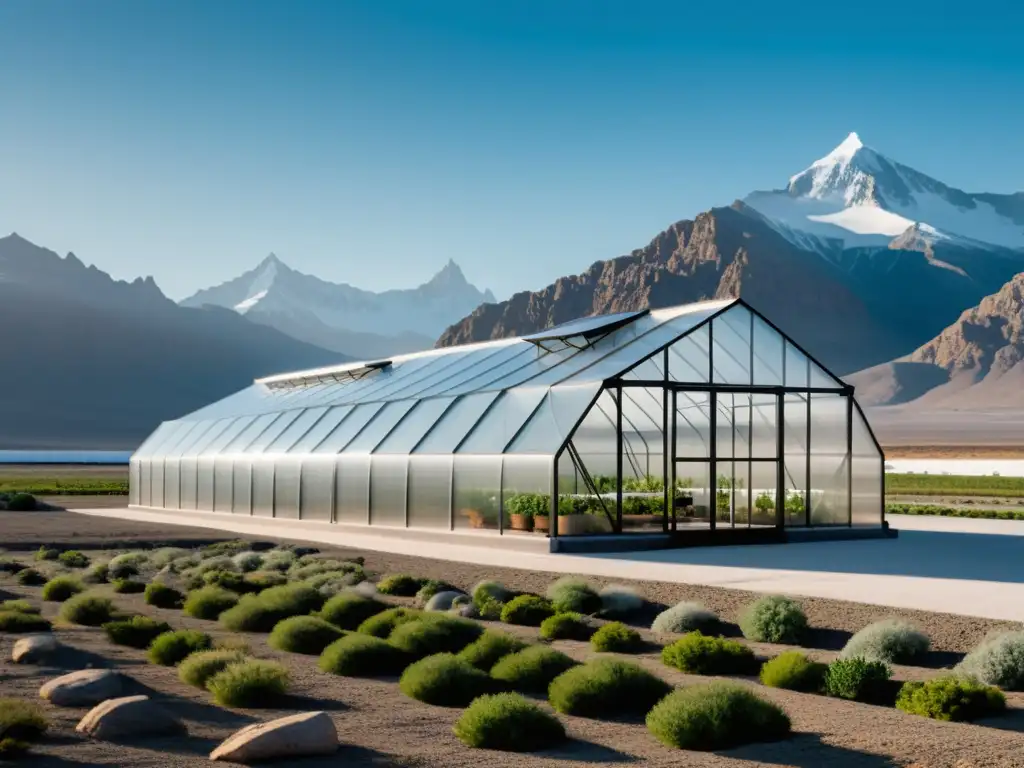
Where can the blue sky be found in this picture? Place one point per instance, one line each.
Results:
(369, 142)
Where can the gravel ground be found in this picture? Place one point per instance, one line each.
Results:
(381, 727)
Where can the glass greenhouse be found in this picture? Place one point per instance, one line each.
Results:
(702, 417)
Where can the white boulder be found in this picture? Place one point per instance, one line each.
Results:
(127, 717)
(301, 735)
(83, 688)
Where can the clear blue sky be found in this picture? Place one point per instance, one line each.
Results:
(368, 142)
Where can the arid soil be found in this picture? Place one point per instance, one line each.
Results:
(954, 451)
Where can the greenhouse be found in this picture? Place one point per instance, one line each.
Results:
(689, 421)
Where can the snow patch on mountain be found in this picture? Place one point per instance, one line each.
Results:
(244, 306)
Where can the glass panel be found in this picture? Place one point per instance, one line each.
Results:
(476, 491)
(732, 426)
(768, 345)
(172, 484)
(430, 492)
(241, 498)
(247, 435)
(349, 428)
(415, 425)
(732, 494)
(643, 463)
(320, 430)
(731, 356)
(188, 480)
(317, 488)
(223, 480)
(796, 367)
(795, 435)
(763, 429)
(526, 474)
(510, 358)
(204, 476)
(215, 444)
(596, 443)
(867, 476)
(494, 431)
(385, 421)
(550, 425)
(694, 495)
(296, 430)
(688, 358)
(829, 466)
(456, 423)
(262, 487)
(823, 380)
(693, 424)
(273, 431)
(352, 488)
(388, 489)
(649, 370)
(286, 488)
(763, 484)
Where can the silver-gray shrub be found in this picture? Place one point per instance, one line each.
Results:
(997, 660)
(620, 600)
(684, 617)
(892, 640)
(278, 560)
(248, 561)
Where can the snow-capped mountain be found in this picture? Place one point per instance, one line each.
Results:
(855, 196)
(341, 317)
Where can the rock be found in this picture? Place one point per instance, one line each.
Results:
(127, 717)
(34, 649)
(307, 733)
(83, 688)
(442, 601)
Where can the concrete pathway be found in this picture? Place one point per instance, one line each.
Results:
(952, 565)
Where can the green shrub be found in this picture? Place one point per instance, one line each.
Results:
(774, 619)
(308, 635)
(247, 561)
(997, 660)
(60, 588)
(618, 601)
(18, 622)
(951, 698)
(606, 687)
(126, 564)
(444, 680)
(616, 637)
(46, 553)
(163, 596)
(572, 595)
(197, 668)
(333, 583)
(491, 590)
(98, 573)
(532, 669)
(249, 683)
(73, 559)
(261, 580)
(716, 716)
(700, 655)
(431, 587)
(357, 655)
(87, 609)
(685, 617)
(399, 585)
(527, 610)
(128, 586)
(22, 502)
(508, 722)
(307, 568)
(278, 560)
(383, 624)
(23, 606)
(566, 626)
(165, 556)
(21, 720)
(30, 577)
(435, 634)
(209, 602)
(858, 679)
(892, 641)
(171, 648)
(488, 649)
(349, 609)
(228, 580)
(262, 612)
(135, 632)
(793, 671)
(225, 549)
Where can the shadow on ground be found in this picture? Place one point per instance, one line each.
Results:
(807, 750)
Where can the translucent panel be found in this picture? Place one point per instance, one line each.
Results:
(349, 428)
(596, 442)
(732, 426)
(694, 494)
(795, 466)
(417, 422)
(768, 346)
(321, 429)
(476, 491)
(550, 425)
(763, 426)
(133, 485)
(730, 359)
(157, 482)
(796, 367)
(204, 479)
(241, 442)
(223, 482)
(732, 494)
(642, 434)
(467, 365)
(262, 487)
(829, 466)
(586, 326)
(286, 488)
(388, 489)
(823, 380)
(763, 484)
(299, 427)
(693, 424)
(403, 378)
(176, 444)
(497, 428)
(651, 369)
(317, 488)
(242, 491)
(430, 492)
(188, 481)
(167, 430)
(172, 484)
(145, 477)
(273, 431)
(232, 430)
(378, 429)
(689, 360)
(494, 368)
(525, 474)
(352, 489)
(867, 501)
(204, 433)
(456, 423)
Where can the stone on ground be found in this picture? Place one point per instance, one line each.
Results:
(85, 687)
(442, 601)
(307, 733)
(128, 717)
(34, 649)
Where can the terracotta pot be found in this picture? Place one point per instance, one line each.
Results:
(541, 523)
(574, 525)
(476, 520)
(521, 522)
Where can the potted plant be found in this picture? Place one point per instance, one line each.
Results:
(522, 508)
(764, 503)
(542, 523)
(795, 508)
(638, 511)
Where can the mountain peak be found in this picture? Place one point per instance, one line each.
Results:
(451, 274)
(848, 148)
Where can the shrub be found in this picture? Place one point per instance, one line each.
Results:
(126, 564)
(306, 568)
(383, 624)
(532, 669)
(606, 687)
(73, 559)
(30, 577)
(716, 716)
(46, 553)
(247, 561)
(572, 595)
(774, 619)
(348, 610)
(135, 632)
(21, 621)
(197, 668)
(22, 502)
(528, 610)
(444, 680)
(793, 671)
(565, 626)
(278, 560)
(123, 570)
(262, 612)
(997, 660)
(857, 679)
(261, 580)
(431, 587)
(435, 634)
(249, 683)
(508, 722)
(87, 609)
(128, 586)
(616, 637)
(226, 549)
(22, 606)
(333, 583)
(60, 588)
(488, 649)
(685, 617)
(308, 635)
(11, 749)
(209, 602)
(226, 579)
(359, 655)
(165, 556)
(399, 585)
(892, 641)
(700, 655)
(21, 720)
(491, 590)
(951, 698)
(163, 596)
(171, 648)
(99, 573)
(618, 601)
